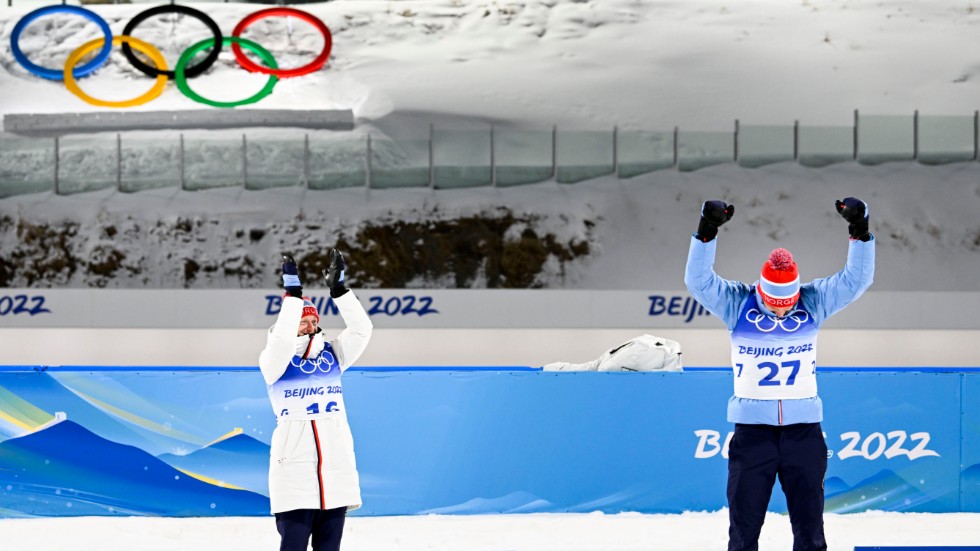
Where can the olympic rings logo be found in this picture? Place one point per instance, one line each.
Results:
(159, 71)
(756, 318)
(315, 364)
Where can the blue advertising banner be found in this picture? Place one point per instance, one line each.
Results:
(896, 441)
(970, 429)
(178, 442)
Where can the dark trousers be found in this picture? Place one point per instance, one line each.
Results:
(797, 454)
(326, 527)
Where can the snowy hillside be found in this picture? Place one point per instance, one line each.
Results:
(401, 66)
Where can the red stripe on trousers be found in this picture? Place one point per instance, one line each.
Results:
(319, 464)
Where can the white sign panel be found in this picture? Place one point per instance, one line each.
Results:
(477, 309)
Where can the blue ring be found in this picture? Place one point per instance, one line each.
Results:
(59, 74)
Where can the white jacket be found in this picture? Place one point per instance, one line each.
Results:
(311, 464)
(644, 353)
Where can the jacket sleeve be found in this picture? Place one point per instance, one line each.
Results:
(829, 295)
(719, 296)
(281, 344)
(351, 342)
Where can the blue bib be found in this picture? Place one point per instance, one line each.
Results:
(310, 388)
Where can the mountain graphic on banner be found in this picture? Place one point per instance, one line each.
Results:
(885, 491)
(66, 469)
(514, 502)
(46, 393)
(970, 483)
(239, 460)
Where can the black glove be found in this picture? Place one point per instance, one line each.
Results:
(713, 215)
(855, 211)
(335, 275)
(290, 277)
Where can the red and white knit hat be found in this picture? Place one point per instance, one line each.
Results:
(309, 309)
(779, 285)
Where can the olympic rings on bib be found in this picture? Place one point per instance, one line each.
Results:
(81, 51)
(191, 71)
(183, 70)
(317, 63)
(57, 74)
(209, 42)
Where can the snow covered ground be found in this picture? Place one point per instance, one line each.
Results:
(924, 217)
(700, 531)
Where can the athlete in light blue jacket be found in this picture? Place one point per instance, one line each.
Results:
(775, 406)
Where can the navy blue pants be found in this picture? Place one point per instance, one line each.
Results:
(757, 455)
(326, 527)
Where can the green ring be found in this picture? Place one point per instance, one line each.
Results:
(189, 53)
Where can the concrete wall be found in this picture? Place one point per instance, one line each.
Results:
(54, 124)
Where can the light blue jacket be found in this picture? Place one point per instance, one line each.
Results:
(822, 298)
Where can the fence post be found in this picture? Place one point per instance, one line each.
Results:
(493, 156)
(306, 160)
(118, 162)
(615, 152)
(796, 140)
(915, 136)
(57, 187)
(554, 152)
(676, 147)
(856, 119)
(180, 161)
(367, 163)
(432, 170)
(735, 155)
(976, 135)
(244, 163)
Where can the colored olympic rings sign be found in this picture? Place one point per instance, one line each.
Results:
(158, 70)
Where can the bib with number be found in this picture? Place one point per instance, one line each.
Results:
(774, 358)
(309, 389)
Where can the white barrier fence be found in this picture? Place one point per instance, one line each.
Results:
(458, 327)
(452, 309)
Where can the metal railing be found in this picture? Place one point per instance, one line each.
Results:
(448, 159)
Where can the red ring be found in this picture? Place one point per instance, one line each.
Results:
(316, 64)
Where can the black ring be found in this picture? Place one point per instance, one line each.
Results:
(191, 71)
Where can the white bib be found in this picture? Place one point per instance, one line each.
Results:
(774, 358)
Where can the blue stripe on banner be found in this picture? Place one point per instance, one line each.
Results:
(163, 368)
(918, 548)
(867, 369)
(399, 368)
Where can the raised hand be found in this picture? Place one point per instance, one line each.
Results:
(336, 274)
(855, 211)
(290, 277)
(713, 215)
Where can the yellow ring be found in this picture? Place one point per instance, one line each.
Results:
(137, 44)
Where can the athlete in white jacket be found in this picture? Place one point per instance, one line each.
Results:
(313, 478)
